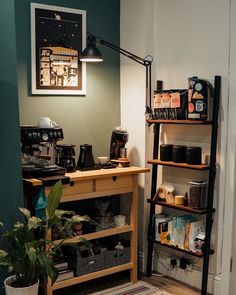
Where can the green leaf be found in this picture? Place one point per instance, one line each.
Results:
(47, 266)
(60, 213)
(25, 212)
(31, 252)
(54, 198)
(4, 257)
(34, 222)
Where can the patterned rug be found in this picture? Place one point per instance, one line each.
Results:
(139, 288)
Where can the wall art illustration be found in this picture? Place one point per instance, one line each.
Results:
(58, 36)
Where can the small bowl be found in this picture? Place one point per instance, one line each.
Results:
(103, 160)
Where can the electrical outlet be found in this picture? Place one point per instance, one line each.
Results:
(190, 267)
(172, 261)
(169, 262)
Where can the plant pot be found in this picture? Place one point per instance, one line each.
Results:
(31, 290)
(77, 228)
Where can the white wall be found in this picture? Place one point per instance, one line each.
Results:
(229, 214)
(186, 38)
(136, 37)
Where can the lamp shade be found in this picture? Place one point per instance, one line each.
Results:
(91, 52)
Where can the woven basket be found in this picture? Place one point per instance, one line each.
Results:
(117, 257)
(82, 266)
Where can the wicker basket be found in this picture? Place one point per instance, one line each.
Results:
(117, 257)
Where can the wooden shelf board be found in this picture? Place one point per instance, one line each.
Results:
(200, 255)
(99, 234)
(94, 174)
(179, 165)
(91, 276)
(178, 207)
(187, 122)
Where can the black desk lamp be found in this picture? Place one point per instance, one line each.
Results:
(92, 54)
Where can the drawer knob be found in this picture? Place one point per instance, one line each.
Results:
(114, 178)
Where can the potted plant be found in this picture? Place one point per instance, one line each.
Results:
(28, 253)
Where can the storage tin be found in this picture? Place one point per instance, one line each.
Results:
(194, 155)
(166, 152)
(179, 153)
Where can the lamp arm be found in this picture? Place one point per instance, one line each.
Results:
(142, 61)
(128, 54)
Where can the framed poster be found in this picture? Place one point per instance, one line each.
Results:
(58, 36)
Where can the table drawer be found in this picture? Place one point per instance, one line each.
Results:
(115, 182)
(78, 187)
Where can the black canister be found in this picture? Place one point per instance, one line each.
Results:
(179, 153)
(194, 155)
(166, 152)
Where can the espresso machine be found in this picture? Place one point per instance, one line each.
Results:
(119, 138)
(37, 150)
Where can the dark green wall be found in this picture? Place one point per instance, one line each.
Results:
(88, 119)
(96, 114)
(10, 180)
(10, 171)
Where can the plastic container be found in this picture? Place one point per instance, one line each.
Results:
(197, 194)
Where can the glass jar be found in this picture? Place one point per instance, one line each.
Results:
(197, 194)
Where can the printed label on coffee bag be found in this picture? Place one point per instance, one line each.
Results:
(175, 100)
(165, 100)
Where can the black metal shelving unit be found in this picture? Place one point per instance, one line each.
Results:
(208, 212)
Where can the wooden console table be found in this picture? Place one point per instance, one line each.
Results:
(93, 184)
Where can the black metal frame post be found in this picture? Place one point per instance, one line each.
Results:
(152, 205)
(212, 174)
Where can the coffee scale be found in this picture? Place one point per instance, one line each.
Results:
(37, 150)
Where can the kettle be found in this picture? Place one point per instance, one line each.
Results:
(85, 160)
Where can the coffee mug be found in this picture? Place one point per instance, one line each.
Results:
(45, 122)
(102, 160)
(200, 106)
(119, 220)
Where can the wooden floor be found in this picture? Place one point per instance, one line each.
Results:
(169, 285)
(172, 286)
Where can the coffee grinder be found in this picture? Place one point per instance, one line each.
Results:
(65, 156)
(119, 138)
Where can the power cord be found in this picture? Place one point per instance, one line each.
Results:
(168, 270)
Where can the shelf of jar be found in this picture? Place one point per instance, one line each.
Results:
(187, 122)
(179, 207)
(196, 254)
(96, 235)
(91, 276)
(179, 165)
